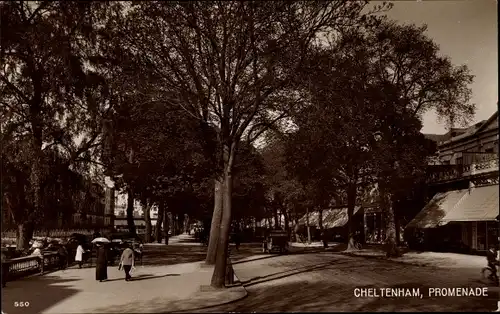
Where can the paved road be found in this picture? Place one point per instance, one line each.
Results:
(325, 282)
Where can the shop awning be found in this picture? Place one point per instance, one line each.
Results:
(332, 218)
(438, 207)
(313, 219)
(478, 204)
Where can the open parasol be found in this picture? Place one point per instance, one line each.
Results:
(100, 240)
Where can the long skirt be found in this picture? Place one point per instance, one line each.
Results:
(101, 272)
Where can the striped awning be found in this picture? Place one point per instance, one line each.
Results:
(438, 207)
(478, 204)
(332, 218)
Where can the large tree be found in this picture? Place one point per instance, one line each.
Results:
(417, 78)
(370, 92)
(51, 98)
(158, 153)
(231, 65)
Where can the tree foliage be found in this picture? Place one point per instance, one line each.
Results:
(50, 96)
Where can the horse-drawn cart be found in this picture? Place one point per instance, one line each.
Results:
(276, 241)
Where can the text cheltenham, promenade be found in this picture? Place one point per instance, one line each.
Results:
(416, 293)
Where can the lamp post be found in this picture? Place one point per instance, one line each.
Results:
(378, 137)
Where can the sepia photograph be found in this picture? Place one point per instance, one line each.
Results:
(249, 156)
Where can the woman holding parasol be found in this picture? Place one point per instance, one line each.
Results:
(101, 270)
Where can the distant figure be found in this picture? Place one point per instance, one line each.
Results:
(237, 239)
(101, 269)
(127, 261)
(96, 234)
(324, 238)
(37, 252)
(63, 256)
(79, 255)
(5, 270)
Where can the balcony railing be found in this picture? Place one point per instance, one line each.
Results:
(455, 172)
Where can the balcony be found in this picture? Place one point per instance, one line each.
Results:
(447, 173)
(481, 167)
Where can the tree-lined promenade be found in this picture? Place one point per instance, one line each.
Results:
(228, 110)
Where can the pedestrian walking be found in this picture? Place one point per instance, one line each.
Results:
(127, 262)
(101, 269)
(79, 255)
(237, 239)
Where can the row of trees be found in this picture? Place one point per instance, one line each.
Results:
(170, 98)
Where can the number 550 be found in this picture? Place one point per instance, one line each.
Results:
(21, 304)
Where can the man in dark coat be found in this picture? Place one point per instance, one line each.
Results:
(63, 256)
(101, 270)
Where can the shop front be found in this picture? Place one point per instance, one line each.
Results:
(461, 221)
(480, 235)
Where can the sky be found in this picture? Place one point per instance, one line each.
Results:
(467, 32)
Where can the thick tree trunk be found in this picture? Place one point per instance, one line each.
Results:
(307, 226)
(365, 227)
(24, 234)
(159, 222)
(216, 221)
(130, 211)
(147, 220)
(351, 203)
(186, 223)
(166, 227)
(391, 248)
(398, 228)
(296, 230)
(219, 275)
(276, 218)
(320, 219)
(287, 224)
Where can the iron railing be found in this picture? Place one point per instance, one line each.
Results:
(460, 171)
(30, 265)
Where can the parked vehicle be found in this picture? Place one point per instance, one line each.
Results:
(276, 241)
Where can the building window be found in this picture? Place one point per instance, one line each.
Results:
(492, 233)
(459, 160)
(489, 150)
(481, 236)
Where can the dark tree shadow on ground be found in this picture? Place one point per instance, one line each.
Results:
(41, 292)
(142, 277)
(172, 254)
(289, 272)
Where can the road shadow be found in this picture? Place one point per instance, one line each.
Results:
(324, 296)
(242, 255)
(40, 292)
(138, 278)
(172, 254)
(289, 272)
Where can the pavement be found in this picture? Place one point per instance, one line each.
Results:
(308, 279)
(171, 287)
(327, 282)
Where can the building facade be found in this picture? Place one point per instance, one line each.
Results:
(462, 208)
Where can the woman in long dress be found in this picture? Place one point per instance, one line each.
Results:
(101, 270)
(79, 255)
